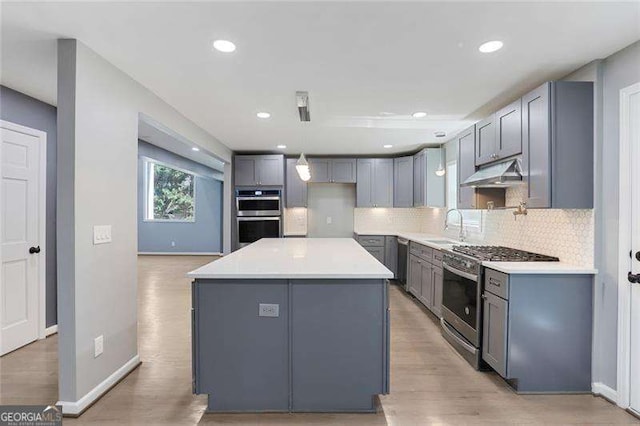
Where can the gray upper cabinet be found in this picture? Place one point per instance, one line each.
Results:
(343, 170)
(259, 170)
(403, 182)
(296, 188)
(419, 174)
(333, 170)
(320, 170)
(466, 167)
(509, 130)
(434, 184)
(558, 145)
(486, 140)
(374, 187)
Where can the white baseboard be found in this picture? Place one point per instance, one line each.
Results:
(76, 408)
(51, 330)
(153, 253)
(603, 390)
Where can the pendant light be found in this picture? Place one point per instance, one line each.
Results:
(440, 171)
(302, 167)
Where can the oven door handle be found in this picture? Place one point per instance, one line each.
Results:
(454, 335)
(257, 198)
(254, 219)
(461, 273)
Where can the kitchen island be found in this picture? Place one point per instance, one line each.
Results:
(298, 325)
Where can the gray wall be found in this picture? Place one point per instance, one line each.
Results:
(98, 113)
(27, 111)
(330, 200)
(204, 235)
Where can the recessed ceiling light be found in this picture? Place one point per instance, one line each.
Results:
(419, 114)
(490, 46)
(387, 146)
(281, 146)
(195, 148)
(263, 115)
(224, 46)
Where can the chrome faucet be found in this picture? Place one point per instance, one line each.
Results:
(446, 224)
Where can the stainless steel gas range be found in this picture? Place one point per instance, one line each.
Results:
(462, 291)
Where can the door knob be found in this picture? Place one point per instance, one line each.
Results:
(638, 256)
(34, 250)
(633, 278)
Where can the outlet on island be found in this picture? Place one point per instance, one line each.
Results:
(269, 310)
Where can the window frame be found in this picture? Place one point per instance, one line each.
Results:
(473, 223)
(149, 190)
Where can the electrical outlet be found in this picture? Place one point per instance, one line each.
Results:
(329, 220)
(173, 243)
(98, 346)
(101, 234)
(269, 310)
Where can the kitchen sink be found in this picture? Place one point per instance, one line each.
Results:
(441, 241)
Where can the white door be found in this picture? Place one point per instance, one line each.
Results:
(20, 209)
(634, 142)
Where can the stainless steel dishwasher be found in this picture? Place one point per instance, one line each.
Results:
(403, 259)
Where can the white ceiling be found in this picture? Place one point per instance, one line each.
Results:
(366, 66)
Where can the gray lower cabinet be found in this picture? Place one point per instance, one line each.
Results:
(374, 186)
(494, 332)
(391, 254)
(425, 278)
(558, 145)
(377, 252)
(403, 182)
(384, 248)
(296, 188)
(333, 170)
(509, 130)
(537, 330)
(259, 170)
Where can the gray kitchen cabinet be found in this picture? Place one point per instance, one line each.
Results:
(466, 167)
(434, 184)
(419, 174)
(333, 170)
(509, 130)
(403, 182)
(426, 287)
(438, 282)
(391, 254)
(320, 169)
(494, 332)
(558, 145)
(377, 252)
(414, 276)
(343, 170)
(296, 188)
(486, 146)
(374, 186)
(259, 170)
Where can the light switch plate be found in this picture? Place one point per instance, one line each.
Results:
(329, 220)
(269, 310)
(98, 346)
(101, 234)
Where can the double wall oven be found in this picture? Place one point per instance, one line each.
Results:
(259, 215)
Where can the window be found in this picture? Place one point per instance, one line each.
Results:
(170, 194)
(472, 218)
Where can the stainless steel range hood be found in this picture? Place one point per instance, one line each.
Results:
(500, 175)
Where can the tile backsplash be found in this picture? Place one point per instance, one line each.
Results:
(388, 219)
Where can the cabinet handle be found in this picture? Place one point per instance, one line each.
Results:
(494, 282)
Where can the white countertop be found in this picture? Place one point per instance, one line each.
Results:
(429, 240)
(539, 268)
(287, 258)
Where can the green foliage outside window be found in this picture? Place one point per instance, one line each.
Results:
(173, 194)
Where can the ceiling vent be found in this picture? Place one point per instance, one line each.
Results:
(302, 100)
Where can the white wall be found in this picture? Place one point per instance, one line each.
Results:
(98, 109)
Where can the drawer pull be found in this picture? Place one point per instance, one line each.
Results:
(494, 282)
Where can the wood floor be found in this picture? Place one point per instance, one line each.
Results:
(430, 383)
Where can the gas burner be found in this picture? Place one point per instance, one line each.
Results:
(503, 254)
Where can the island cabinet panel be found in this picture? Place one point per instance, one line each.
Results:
(243, 361)
(337, 330)
(296, 193)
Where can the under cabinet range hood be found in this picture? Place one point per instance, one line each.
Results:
(500, 175)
